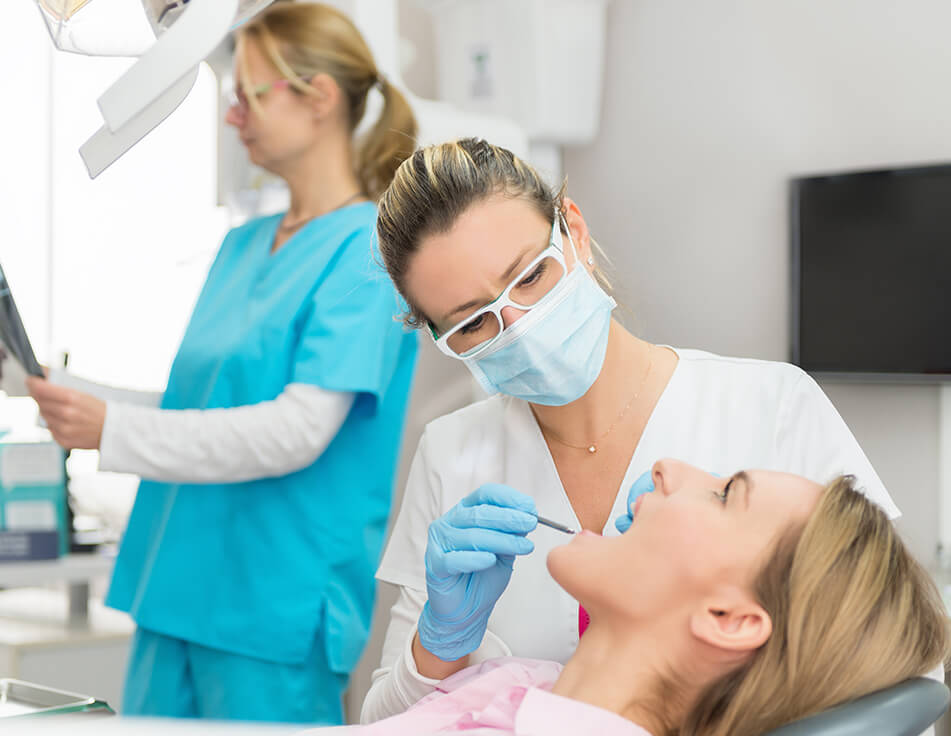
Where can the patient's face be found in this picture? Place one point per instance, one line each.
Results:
(694, 536)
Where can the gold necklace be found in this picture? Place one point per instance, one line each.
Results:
(592, 447)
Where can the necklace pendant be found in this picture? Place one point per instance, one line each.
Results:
(592, 449)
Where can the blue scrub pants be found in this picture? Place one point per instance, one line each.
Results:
(178, 679)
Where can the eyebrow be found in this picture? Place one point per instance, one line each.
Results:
(504, 277)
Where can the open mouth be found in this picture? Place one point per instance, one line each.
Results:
(637, 505)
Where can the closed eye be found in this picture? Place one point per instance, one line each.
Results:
(474, 325)
(534, 275)
(725, 493)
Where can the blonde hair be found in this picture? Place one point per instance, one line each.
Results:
(437, 184)
(852, 612)
(303, 40)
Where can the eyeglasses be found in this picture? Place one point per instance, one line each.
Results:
(236, 96)
(477, 332)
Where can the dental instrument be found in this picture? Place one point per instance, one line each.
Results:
(555, 525)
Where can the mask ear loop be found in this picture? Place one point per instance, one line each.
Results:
(574, 250)
(571, 241)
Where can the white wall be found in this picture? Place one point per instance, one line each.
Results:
(25, 166)
(709, 108)
(108, 269)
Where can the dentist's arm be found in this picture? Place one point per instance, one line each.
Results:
(397, 683)
(469, 555)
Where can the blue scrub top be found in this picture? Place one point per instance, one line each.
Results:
(254, 568)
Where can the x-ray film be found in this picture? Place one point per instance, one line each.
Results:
(12, 333)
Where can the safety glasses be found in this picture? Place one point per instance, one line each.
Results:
(236, 96)
(477, 332)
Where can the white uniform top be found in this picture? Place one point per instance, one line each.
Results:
(719, 414)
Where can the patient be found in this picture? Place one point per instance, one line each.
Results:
(730, 607)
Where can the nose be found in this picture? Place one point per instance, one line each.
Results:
(662, 474)
(510, 315)
(235, 116)
(669, 475)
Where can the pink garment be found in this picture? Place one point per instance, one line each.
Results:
(502, 696)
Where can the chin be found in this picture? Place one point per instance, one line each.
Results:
(254, 156)
(570, 564)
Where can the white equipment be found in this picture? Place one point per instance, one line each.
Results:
(183, 33)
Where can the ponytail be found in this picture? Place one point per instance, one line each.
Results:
(390, 142)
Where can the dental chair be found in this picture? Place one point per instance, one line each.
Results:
(907, 709)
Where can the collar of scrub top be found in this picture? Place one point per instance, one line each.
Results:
(555, 249)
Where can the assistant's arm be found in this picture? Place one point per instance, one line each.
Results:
(104, 392)
(268, 439)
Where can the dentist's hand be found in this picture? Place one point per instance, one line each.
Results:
(469, 558)
(644, 484)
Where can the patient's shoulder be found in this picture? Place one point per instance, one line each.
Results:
(494, 677)
(505, 672)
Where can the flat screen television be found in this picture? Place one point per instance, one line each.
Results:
(871, 274)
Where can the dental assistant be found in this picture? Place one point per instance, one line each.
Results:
(268, 461)
(500, 270)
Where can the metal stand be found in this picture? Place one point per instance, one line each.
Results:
(74, 570)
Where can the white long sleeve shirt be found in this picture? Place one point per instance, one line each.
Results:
(268, 439)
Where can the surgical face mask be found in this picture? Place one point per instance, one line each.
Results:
(553, 353)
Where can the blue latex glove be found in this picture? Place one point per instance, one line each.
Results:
(644, 484)
(469, 558)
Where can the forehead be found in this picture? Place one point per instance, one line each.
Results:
(467, 261)
(783, 496)
(249, 55)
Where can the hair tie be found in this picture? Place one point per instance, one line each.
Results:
(379, 82)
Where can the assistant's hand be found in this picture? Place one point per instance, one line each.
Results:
(644, 484)
(469, 558)
(74, 418)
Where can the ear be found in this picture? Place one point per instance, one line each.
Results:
(731, 622)
(326, 97)
(579, 231)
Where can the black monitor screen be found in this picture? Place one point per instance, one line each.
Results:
(871, 259)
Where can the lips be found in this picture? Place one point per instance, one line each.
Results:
(637, 504)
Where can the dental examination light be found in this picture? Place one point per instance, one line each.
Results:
(170, 37)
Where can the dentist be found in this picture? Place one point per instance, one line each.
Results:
(501, 271)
